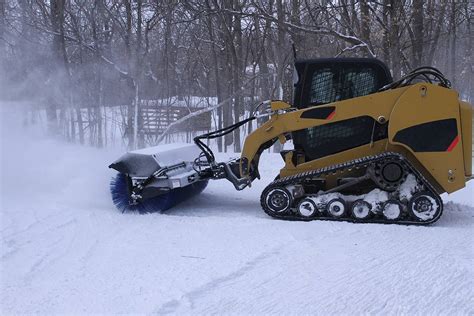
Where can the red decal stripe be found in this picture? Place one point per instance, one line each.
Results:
(331, 115)
(453, 144)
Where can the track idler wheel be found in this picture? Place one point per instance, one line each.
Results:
(392, 210)
(277, 200)
(361, 209)
(336, 208)
(424, 206)
(307, 208)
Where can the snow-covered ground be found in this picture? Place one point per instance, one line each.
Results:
(65, 249)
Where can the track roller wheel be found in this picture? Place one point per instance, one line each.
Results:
(424, 206)
(361, 209)
(392, 210)
(336, 208)
(277, 200)
(307, 208)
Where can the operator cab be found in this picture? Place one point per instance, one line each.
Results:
(322, 81)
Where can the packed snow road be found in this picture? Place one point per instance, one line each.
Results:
(65, 249)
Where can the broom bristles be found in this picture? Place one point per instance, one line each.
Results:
(120, 197)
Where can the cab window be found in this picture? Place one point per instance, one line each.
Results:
(330, 84)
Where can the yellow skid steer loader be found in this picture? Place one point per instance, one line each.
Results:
(366, 149)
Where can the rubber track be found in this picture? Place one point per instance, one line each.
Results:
(356, 163)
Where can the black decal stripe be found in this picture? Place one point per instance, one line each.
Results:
(320, 113)
(429, 137)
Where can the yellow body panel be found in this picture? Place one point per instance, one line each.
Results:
(374, 105)
(423, 103)
(402, 108)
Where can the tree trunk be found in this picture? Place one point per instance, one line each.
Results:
(57, 18)
(386, 33)
(130, 131)
(395, 49)
(237, 82)
(281, 51)
(453, 43)
(469, 52)
(365, 25)
(217, 79)
(80, 125)
(2, 26)
(435, 37)
(226, 25)
(73, 125)
(418, 32)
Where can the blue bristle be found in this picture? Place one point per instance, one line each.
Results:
(119, 191)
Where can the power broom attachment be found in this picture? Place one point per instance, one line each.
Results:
(156, 178)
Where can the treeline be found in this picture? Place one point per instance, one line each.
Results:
(66, 56)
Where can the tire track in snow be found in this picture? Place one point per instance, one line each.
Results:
(52, 254)
(31, 226)
(190, 298)
(14, 245)
(410, 278)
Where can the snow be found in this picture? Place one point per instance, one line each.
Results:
(408, 187)
(65, 249)
(375, 198)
